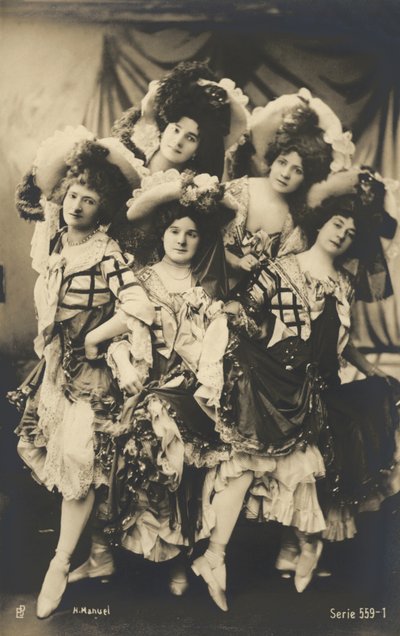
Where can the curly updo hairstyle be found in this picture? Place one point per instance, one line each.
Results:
(180, 95)
(88, 166)
(300, 133)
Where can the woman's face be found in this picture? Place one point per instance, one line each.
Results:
(180, 141)
(181, 241)
(336, 236)
(286, 174)
(81, 207)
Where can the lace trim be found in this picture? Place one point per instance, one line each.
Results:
(151, 180)
(239, 190)
(140, 338)
(88, 254)
(146, 137)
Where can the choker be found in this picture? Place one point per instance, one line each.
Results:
(84, 240)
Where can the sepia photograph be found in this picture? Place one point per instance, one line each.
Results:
(200, 318)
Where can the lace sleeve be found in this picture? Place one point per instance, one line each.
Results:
(210, 373)
(146, 136)
(238, 190)
(137, 344)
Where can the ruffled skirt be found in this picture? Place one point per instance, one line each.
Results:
(158, 479)
(283, 488)
(68, 430)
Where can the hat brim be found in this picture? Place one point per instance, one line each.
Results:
(50, 163)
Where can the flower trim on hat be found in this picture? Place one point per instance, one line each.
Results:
(202, 191)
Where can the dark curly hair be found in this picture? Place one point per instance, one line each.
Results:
(299, 133)
(365, 207)
(180, 95)
(170, 212)
(89, 167)
(347, 206)
(302, 134)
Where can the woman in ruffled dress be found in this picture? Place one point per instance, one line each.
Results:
(171, 438)
(186, 124)
(295, 141)
(283, 410)
(70, 423)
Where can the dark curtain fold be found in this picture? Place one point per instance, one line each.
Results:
(358, 78)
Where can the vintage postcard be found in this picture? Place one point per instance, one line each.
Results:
(206, 471)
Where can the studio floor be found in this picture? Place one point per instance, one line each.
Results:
(365, 576)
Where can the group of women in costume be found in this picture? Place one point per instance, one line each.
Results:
(191, 333)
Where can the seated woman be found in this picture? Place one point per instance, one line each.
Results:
(294, 138)
(70, 423)
(282, 399)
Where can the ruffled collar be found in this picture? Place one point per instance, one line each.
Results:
(312, 292)
(319, 288)
(156, 289)
(80, 257)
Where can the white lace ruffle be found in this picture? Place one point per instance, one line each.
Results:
(84, 256)
(239, 191)
(70, 456)
(170, 457)
(283, 489)
(146, 137)
(149, 181)
(65, 435)
(52, 400)
(140, 339)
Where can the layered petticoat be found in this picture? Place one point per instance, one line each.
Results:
(158, 480)
(283, 488)
(71, 417)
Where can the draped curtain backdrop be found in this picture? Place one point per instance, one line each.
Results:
(67, 73)
(357, 79)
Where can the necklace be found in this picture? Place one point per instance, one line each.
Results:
(178, 267)
(84, 240)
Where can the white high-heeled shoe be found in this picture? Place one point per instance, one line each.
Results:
(307, 563)
(215, 579)
(53, 587)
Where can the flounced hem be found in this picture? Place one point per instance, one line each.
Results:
(298, 508)
(159, 447)
(149, 533)
(340, 524)
(283, 490)
(66, 460)
(35, 458)
(225, 419)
